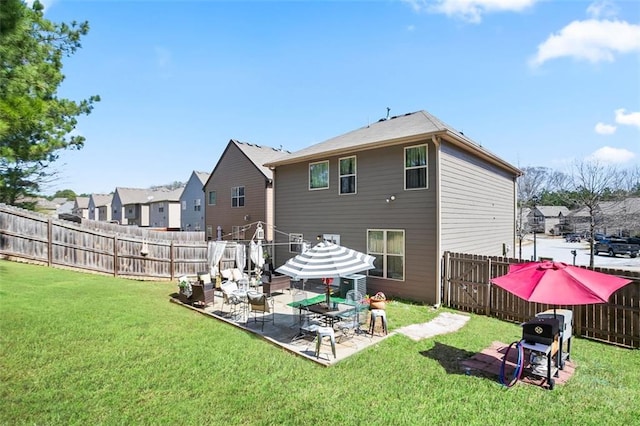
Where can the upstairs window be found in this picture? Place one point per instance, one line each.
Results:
(319, 175)
(212, 198)
(183, 204)
(348, 175)
(415, 167)
(237, 196)
(196, 205)
(237, 232)
(295, 243)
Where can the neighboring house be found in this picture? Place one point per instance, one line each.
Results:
(239, 191)
(100, 207)
(620, 217)
(192, 202)
(548, 219)
(405, 190)
(164, 210)
(130, 206)
(81, 207)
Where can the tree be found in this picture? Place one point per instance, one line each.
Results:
(530, 184)
(69, 194)
(35, 124)
(587, 186)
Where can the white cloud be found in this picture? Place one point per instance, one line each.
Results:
(592, 40)
(631, 118)
(469, 10)
(602, 9)
(610, 155)
(605, 129)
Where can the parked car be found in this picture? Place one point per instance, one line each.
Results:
(616, 246)
(597, 237)
(573, 238)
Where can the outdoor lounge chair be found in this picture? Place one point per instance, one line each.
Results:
(259, 303)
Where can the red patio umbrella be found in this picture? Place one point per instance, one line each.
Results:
(557, 283)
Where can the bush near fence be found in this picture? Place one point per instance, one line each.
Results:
(467, 287)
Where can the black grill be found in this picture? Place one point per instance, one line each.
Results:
(541, 330)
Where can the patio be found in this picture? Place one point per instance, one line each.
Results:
(285, 327)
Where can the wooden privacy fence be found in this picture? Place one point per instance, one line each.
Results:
(467, 287)
(141, 253)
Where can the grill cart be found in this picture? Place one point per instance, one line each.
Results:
(566, 329)
(541, 337)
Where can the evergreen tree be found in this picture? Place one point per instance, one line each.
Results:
(35, 124)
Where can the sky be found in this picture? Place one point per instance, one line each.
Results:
(538, 83)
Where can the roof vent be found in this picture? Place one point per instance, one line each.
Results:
(388, 110)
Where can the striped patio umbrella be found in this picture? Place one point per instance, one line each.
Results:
(326, 259)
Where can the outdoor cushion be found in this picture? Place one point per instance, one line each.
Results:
(236, 274)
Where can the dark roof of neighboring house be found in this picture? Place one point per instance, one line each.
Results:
(415, 126)
(260, 155)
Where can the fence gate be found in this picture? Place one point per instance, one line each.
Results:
(466, 283)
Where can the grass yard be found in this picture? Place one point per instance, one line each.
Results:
(84, 349)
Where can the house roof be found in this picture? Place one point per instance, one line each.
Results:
(138, 195)
(101, 200)
(628, 206)
(162, 196)
(553, 211)
(415, 126)
(82, 202)
(260, 155)
(202, 176)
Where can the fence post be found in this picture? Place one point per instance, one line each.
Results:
(49, 242)
(171, 261)
(487, 304)
(115, 255)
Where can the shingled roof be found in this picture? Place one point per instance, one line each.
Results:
(411, 127)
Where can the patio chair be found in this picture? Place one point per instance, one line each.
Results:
(350, 324)
(309, 324)
(230, 298)
(259, 303)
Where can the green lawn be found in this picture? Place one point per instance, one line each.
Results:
(86, 349)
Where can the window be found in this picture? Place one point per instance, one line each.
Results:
(348, 175)
(415, 167)
(160, 209)
(212, 198)
(295, 243)
(209, 232)
(319, 175)
(237, 196)
(237, 232)
(184, 204)
(387, 246)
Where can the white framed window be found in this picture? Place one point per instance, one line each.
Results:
(183, 204)
(387, 246)
(319, 175)
(415, 167)
(347, 170)
(212, 198)
(160, 209)
(237, 196)
(209, 231)
(295, 243)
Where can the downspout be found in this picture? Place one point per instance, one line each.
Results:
(516, 217)
(439, 277)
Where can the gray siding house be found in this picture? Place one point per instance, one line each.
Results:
(192, 202)
(81, 207)
(100, 207)
(164, 210)
(130, 206)
(548, 219)
(239, 191)
(405, 190)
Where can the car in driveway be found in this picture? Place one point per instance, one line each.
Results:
(573, 238)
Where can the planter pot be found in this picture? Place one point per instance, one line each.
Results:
(377, 304)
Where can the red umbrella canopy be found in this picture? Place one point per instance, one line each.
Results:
(558, 283)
